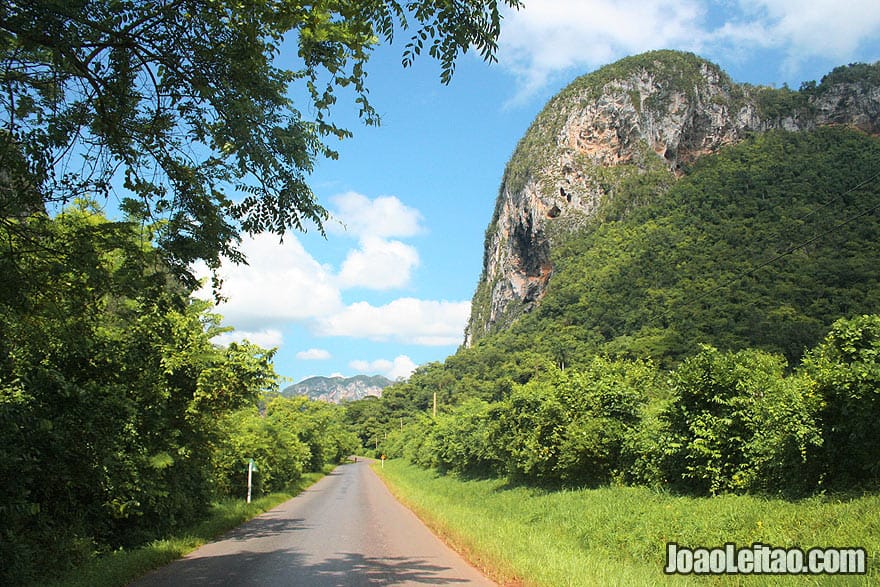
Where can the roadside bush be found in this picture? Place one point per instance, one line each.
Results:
(722, 422)
(645, 446)
(316, 424)
(461, 439)
(782, 452)
(736, 424)
(279, 456)
(846, 370)
(528, 431)
(603, 407)
(406, 441)
(570, 426)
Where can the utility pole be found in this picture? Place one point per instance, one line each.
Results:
(435, 405)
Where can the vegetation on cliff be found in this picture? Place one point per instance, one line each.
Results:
(764, 245)
(619, 138)
(712, 334)
(680, 71)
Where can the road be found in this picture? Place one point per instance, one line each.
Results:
(346, 529)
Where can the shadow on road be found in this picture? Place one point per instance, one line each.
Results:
(344, 531)
(288, 568)
(356, 569)
(265, 527)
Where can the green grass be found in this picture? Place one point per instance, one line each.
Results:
(124, 566)
(618, 535)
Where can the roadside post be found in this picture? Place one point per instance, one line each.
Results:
(251, 469)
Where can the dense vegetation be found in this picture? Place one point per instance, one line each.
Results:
(669, 74)
(764, 245)
(716, 335)
(119, 418)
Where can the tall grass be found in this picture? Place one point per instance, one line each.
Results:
(124, 566)
(618, 535)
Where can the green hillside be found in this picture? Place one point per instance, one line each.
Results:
(695, 335)
(764, 245)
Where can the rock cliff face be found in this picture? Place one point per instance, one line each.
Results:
(339, 389)
(654, 113)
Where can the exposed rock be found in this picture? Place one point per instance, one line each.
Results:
(339, 389)
(660, 110)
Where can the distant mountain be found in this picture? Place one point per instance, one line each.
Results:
(339, 389)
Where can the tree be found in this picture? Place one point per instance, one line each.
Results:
(110, 393)
(846, 371)
(181, 101)
(279, 456)
(318, 425)
(737, 424)
(461, 439)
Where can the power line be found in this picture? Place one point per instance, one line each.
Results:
(791, 249)
(839, 196)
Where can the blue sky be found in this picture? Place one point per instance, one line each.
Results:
(389, 287)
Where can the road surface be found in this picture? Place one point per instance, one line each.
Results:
(346, 529)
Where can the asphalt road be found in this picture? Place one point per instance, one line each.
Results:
(347, 529)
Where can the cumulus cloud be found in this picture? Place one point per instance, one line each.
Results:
(283, 284)
(547, 38)
(383, 217)
(551, 36)
(314, 355)
(408, 320)
(803, 30)
(280, 283)
(268, 338)
(400, 368)
(379, 264)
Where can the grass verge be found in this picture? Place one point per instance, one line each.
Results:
(124, 566)
(618, 535)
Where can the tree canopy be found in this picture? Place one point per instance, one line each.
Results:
(120, 418)
(182, 104)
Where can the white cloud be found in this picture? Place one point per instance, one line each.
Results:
(281, 283)
(382, 217)
(284, 284)
(547, 37)
(379, 264)
(803, 30)
(268, 338)
(400, 368)
(314, 355)
(408, 320)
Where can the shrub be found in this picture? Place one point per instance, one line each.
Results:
(736, 424)
(846, 371)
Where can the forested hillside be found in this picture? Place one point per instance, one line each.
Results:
(620, 137)
(764, 245)
(709, 333)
